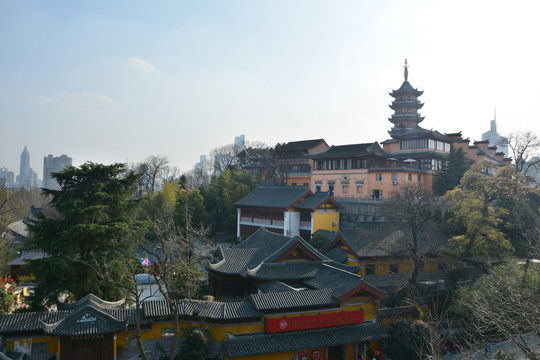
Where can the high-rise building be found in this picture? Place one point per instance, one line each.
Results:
(26, 176)
(8, 176)
(51, 165)
(239, 143)
(201, 165)
(495, 139)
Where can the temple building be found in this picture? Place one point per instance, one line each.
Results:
(296, 304)
(411, 155)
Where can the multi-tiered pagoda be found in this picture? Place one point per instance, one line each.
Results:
(406, 105)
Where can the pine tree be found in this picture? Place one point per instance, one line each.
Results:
(453, 169)
(94, 211)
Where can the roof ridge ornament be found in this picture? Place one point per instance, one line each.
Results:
(406, 71)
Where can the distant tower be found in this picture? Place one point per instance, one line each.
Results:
(25, 177)
(495, 139)
(406, 105)
(51, 165)
(239, 143)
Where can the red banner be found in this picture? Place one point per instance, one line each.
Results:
(314, 321)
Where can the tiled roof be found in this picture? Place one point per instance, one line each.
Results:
(351, 150)
(235, 261)
(337, 254)
(293, 299)
(303, 145)
(275, 286)
(316, 200)
(274, 196)
(86, 320)
(211, 310)
(329, 277)
(33, 321)
(26, 256)
(377, 239)
(93, 300)
(406, 88)
(252, 345)
(295, 241)
(286, 270)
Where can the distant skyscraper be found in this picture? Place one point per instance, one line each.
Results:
(201, 165)
(495, 139)
(26, 174)
(9, 176)
(51, 165)
(239, 143)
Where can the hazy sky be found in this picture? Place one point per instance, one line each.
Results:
(117, 81)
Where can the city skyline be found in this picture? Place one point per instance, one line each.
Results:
(119, 82)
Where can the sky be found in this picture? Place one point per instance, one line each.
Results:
(118, 81)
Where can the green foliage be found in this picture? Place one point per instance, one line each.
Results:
(408, 340)
(232, 185)
(196, 344)
(190, 202)
(453, 170)
(319, 241)
(6, 301)
(94, 224)
(479, 205)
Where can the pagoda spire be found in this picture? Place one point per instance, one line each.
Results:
(406, 71)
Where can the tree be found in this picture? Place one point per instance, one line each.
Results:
(151, 171)
(407, 341)
(479, 204)
(94, 207)
(524, 148)
(232, 185)
(453, 170)
(413, 207)
(222, 158)
(196, 344)
(501, 306)
(175, 267)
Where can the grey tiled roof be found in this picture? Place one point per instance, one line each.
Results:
(315, 200)
(351, 150)
(253, 345)
(286, 270)
(273, 196)
(293, 300)
(26, 256)
(337, 254)
(378, 239)
(211, 310)
(33, 321)
(93, 300)
(275, 286)
(87, 320)
(302, 145)
(235, 261)
(297, 240)
(329, 277)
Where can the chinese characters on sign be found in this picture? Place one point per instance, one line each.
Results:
(314, 321)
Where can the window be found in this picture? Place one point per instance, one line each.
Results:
(318, 184)
(378, 177)
(376, 194)
(331, 188)
(371, 269)
(393, 268)
(409, 177)
(293, 184)
(419, 178)
(394, 179)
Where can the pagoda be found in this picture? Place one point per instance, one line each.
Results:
(405, 106)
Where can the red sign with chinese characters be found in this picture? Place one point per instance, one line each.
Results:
(314, 321)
